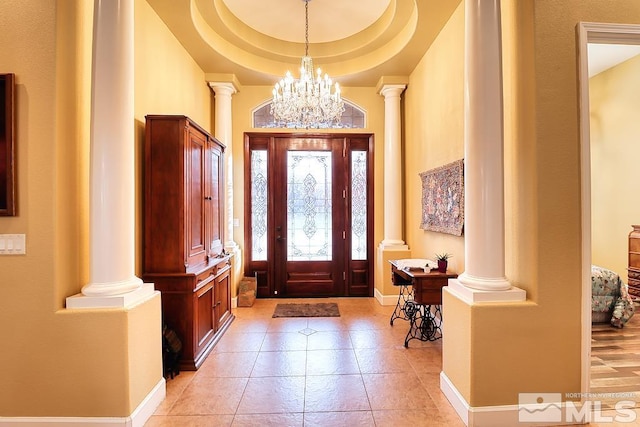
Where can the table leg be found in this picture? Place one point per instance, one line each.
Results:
(425, 325)
(404, 296)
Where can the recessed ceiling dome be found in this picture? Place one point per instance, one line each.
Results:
(329, 20)
(257, 41)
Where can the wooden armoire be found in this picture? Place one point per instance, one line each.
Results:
(183, 232)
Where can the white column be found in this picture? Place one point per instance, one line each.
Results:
(223, 124)
(112, 177)
(393, 207)
(483, 146)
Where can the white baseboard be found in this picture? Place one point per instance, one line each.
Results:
(137, 418)
(503, 415)
(385, 299)
(489, 416)
(455, 398)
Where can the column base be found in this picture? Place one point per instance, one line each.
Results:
(385, 300)
(471, 295)
(112, 288)
(484, 284)
(383, 285)
(129, 299)
(395, 245)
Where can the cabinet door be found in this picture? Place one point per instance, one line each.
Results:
(196, 154)
(223, 297)
(204, 326)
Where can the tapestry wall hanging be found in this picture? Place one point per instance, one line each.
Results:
(443, 199)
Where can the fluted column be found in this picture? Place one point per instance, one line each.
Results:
(393, 206)
(483, 146)
(112, 176)
(223, 130)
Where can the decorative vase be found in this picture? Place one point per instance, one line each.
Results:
(442, 265)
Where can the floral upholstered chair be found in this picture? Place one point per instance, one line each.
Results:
(610, 300)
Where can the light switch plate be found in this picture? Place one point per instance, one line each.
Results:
(13, 244)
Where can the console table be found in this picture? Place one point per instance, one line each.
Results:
(423, 310)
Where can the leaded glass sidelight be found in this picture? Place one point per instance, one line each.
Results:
(309, 206)
(359, 205)
(259, 205)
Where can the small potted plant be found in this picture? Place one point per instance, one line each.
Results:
(442, 261)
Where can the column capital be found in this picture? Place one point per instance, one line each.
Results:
(223, 88)
(392, 90)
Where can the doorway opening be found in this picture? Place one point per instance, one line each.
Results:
(604, 34)
(309, 214)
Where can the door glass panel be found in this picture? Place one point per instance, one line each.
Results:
(358, 205)
(309, 222)
(259, 205)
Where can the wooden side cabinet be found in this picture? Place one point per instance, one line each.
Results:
(634, 263)
(184, 231)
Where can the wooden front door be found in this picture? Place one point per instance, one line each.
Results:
(308, 219)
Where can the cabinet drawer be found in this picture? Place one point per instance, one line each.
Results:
(204, 277)
(634, 282)
(221, 267)
(633, 274)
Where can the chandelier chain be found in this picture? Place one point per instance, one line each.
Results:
(306, 27)
(311, 101)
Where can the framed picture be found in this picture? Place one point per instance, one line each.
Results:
(443, 199)
(7, 145)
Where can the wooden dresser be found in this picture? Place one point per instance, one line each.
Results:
(634, 263)
(183, 232)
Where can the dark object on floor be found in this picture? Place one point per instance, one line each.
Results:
(324, 309)
(171, 352)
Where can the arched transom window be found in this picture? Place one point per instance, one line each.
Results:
(352, 118)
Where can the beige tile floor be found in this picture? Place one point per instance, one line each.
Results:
(351, 370)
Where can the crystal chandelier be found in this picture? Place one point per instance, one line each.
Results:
(307, 102)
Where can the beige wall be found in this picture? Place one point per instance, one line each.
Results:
(434, 132)
(615, 149)
(167, 81)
